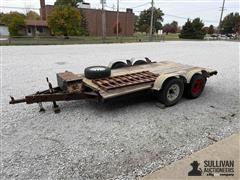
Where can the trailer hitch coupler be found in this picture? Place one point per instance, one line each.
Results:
(16, 101)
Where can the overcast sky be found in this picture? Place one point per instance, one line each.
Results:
(179, 10)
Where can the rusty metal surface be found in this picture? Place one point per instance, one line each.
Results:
(74, 88)
(56, 95)
(53, 97)
(121, 81)
(69, 76)
(70, 82)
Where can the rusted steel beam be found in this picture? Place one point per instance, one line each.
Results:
(58, 95)
(55, 97)
(16, 101)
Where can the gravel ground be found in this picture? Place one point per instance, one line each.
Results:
(120, 139)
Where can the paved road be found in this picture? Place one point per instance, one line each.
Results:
(209, 163)
(120, 139)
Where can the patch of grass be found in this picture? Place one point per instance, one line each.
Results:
(84, 40)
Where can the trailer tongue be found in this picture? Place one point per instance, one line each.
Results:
(71, 87)
(166, 79)
(53, 95)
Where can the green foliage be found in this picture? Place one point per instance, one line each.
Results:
(65, 20)
(72, 3)
(231, 23)
(15, 22)
(136, 23)
(1, 16)
(32, 15)
(174, 24)
(171, 28)
(143, 24)
(193, 30)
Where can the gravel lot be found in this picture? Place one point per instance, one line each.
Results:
(120, 139)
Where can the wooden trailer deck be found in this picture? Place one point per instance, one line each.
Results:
(152, 71)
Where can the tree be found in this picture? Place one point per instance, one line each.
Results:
(174, 25)
(167, 28)
(171, 28)
(230, 23)
(187, 30)
(211, 29)
(65, 20)
(145, 19)
(32, 15)
(198, 27)
(15, 22)
(193, 29)
(72, 3)
(136, 23)
(1, 16)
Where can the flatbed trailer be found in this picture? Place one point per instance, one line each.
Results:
(167, 80)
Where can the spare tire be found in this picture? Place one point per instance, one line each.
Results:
(97, 72)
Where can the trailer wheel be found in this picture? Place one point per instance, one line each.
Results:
(171, 92)
(96, 72)
(139, 62)
(196, 86)
(118, 65)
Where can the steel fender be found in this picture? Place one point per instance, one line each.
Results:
(160, 80)
(112, 62)
(190, 74)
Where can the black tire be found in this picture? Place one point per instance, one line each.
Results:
(139, 62)
(196, 86)
(118, 65)
(97, 72)
(167, 91)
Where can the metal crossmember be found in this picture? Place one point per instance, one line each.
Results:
(125, 80)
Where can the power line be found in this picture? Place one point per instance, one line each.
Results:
(180, 17)
(135, 7)
(183, 1)
(141, 5)
(8, 7)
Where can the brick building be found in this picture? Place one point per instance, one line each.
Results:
(94, 20)
(36, 28)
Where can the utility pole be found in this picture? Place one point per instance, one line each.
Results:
(151, 25)
(103, 21)
(220, 21)
(117, 18)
